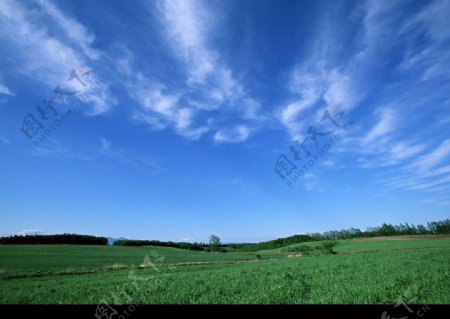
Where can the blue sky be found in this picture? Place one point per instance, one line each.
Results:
(185, 107)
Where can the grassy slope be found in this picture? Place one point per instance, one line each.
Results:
(359, 278)
(390, 245)
(356, 245)
(374, 277)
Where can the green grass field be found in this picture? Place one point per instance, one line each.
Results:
(374, 271)
(32, 258)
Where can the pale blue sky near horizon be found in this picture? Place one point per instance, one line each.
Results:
(188, 106)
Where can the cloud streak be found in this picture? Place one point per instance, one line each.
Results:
(235, 135)
(5, 90)
(44, 58)
(208, 88)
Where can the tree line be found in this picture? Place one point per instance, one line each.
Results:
(182, 245)
(272, 244)
(71, 239)
(213, 245)
(431, 228)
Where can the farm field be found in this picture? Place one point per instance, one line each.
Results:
(360, 272)
(32, 258)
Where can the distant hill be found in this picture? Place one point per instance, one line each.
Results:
(432, 228)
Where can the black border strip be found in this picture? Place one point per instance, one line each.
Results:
(299, 311)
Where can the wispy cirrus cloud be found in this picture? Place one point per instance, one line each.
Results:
(429, 160)
(404, 150)
(185, 23)
(49, 48)
(313, 87)
(5, 90)
(160, 107)
(425, 173)
(45, 57)
(323, 80)
(431, 24)
(73, 29)
(209, 85)
(234, 135)
(385, 125)
(188, 27)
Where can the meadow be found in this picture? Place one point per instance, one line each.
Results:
(355, 272)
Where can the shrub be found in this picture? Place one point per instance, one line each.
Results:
(327, 246)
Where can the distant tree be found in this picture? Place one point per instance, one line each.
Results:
(432, 227)
(439, 227)
(421, 230)
(443, 227)
(183, 245)
(214, 242)
(70, 239)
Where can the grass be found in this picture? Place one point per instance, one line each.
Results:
(371, 245)
(33, 258)
(390, 245)
(375, 272)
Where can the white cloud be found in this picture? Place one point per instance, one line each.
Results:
(423, 174)
(238, 134)
(430, 25)
(159, 107)
(323, 79)
(421, 186)
(5, 90)
(340, 91)
(403, 150)
(434, 19)
(209, 84)
(76, 31)
(152, 120)
(379, 20)
(185, 23)
(100, 101)
(415, 177)
(188, 25)
(384, 126)
(161, 103)
(43, 57)
(313, 85)
(30, 232)
(306, 87)
(183, 121)
(427, 161)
